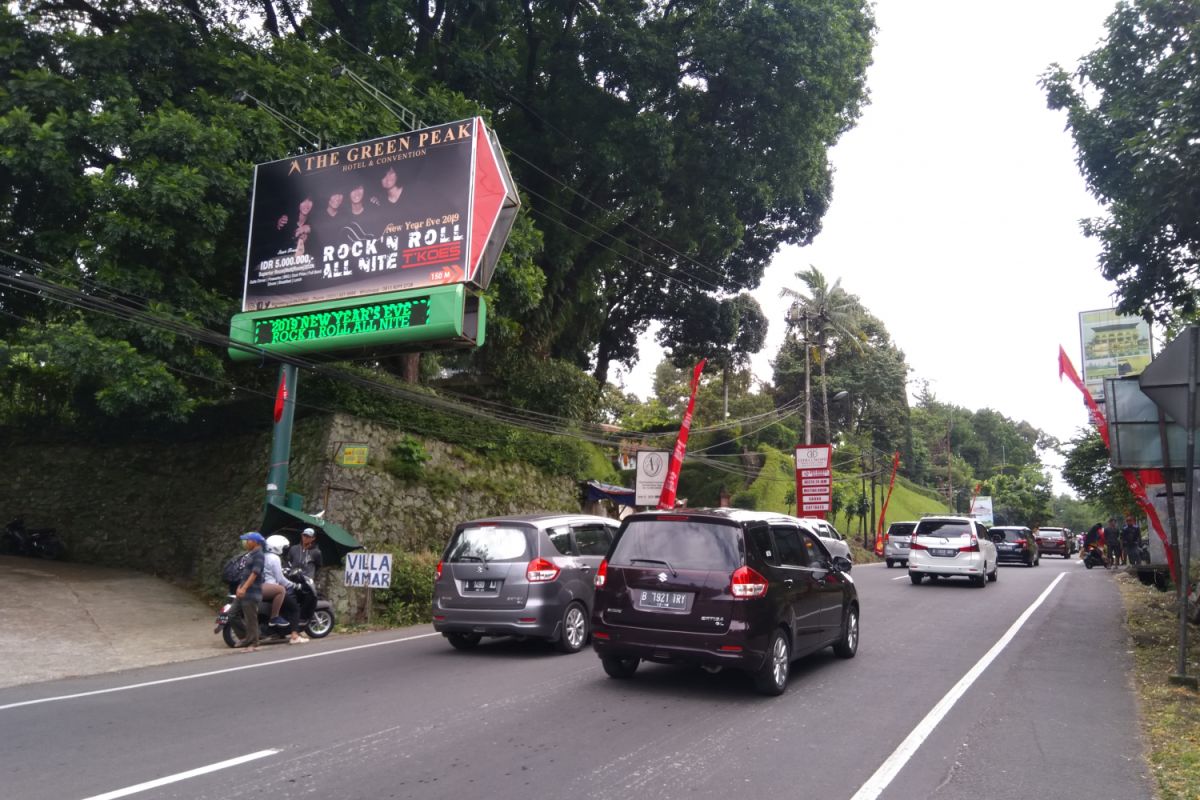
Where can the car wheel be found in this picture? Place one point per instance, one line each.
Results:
(621, 668)
(574, 629)
(890, 563)
(915, 577)
(463, 641)
(980, 581)
(771, 679)
(847, 645)
(994, 574)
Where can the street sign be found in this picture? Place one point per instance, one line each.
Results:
(651, 475)
(1133, 429)
(441, 316)
(373, 570)
(353, 455)
(814, 480)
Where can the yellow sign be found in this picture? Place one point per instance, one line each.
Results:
(354, 455)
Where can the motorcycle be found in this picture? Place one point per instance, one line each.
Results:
(1093, 556)
(17, 540)
(232, 626)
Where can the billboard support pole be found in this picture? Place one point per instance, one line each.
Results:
(281, 438)
(1185, 573)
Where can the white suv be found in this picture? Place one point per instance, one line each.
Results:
(830, 537)
(943, 547)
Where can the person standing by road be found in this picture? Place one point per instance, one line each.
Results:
(1112, 541)
(306, 557)
(1131, 541)
(249, 591)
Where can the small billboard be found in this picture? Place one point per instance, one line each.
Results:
(402, 212)
(1114, 346)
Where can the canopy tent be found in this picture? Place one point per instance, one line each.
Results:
(334, 540)
(594, 490)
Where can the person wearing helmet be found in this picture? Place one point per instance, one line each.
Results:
(276, 585)
(306, 557)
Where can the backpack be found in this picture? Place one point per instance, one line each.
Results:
(234, 570)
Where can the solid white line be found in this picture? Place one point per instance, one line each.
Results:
(902, 577)
(181, 776)
(900, 756)
(215, 672)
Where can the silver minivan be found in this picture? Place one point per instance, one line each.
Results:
(528, 576)
(896, 542)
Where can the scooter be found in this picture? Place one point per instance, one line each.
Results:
(232, 626)
(18, 540)
(1093, 556)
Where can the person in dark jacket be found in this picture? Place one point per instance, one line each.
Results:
(249, 591)
(1131, 540)
(306, 557)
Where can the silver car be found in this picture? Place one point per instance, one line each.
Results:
(834, 542)
(524, 576)
(895, 543)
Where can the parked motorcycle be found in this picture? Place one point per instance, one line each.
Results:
(232, 626)
(17, 540)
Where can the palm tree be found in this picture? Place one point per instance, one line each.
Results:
(824, 311)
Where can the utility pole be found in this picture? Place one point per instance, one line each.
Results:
(807, 389)
(950, 463)
(874, 519)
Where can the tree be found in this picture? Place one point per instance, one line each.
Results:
(1133, 108)
(1023, 498)
(726, 332)
(1088, 470)
(825, 314)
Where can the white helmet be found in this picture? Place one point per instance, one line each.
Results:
(277, 544)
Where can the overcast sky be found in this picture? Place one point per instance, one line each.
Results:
(956, 208)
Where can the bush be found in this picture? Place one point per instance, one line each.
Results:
(407, 459)
(746, 500)
(409, 601)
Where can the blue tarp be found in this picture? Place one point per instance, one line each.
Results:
(595, 490)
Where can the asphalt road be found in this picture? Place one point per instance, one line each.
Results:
(1050, 714)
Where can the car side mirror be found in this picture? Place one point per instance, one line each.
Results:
(842, 564)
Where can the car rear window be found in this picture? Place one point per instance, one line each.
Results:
(488, 544)
(683, 544)
(943, 527)
(1050, 534)
(1008, 535)
(901, 530)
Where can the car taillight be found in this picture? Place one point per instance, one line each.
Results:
(541, 571)
(601, 574)
(973, 547)
(745, 582)
(1022, 542)
(915, 545)
(439, 572)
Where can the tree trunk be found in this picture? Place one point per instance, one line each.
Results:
(725, 392)
(410, 367)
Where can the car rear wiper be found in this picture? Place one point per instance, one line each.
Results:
(467, 558)
(666, 564)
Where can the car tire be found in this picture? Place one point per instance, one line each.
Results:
(847, 645)
(771, 678)
(915, 577)
(994, 575)
(980, 581)
(463, 641)
(620, 667)
(574, 629)
(890, 563)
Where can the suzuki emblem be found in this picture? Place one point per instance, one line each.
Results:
(662, 577)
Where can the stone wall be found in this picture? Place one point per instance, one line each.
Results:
(175, 508)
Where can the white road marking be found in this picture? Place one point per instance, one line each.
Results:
(901, 755)
(902, 577)
(258, 665)
(181, 776)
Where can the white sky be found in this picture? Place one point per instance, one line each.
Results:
(956, 207)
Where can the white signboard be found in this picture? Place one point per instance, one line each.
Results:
(651, 475)
(983, 510)
(373, 570)
(1114, 346)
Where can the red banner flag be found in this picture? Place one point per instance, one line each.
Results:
(886, 500)
(667, 499)
(281, 397)
(1136, 486)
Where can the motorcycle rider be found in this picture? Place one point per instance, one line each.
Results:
(276, 586)
(306, 557)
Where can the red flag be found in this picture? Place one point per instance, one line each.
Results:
(886, 500)
(1065, 367)
(281, 397)
(667, 499)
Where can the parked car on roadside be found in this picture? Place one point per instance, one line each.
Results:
(718, 588)
(1016, 543)
(1054, 541)
(896, 541)
(525, 576)
(952, 546)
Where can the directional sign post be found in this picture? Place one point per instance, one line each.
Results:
(814, 480)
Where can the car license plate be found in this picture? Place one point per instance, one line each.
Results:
(650, 600)
(943, 552)
(481, 586)
(902, 545)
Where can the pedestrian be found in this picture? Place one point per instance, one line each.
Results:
(1131, 540)
(249, 591)
(1112, 541)
(306, 557)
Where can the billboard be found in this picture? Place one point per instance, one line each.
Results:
(1114, 346)
(402, 212)
(814, 480)
(982, 510)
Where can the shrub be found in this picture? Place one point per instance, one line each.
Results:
(745, 500)
(407, 459)
(409, 601)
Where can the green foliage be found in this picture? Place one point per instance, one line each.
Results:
(1071, 512)
(1089, 472)
(409, 600)
(1022, 497)
(1134, 112)
(407, 459)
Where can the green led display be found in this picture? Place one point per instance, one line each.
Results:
(329, 324)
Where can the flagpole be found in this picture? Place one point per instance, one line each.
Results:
(281, 439)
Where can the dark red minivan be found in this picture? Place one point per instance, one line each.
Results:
(721, 588)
